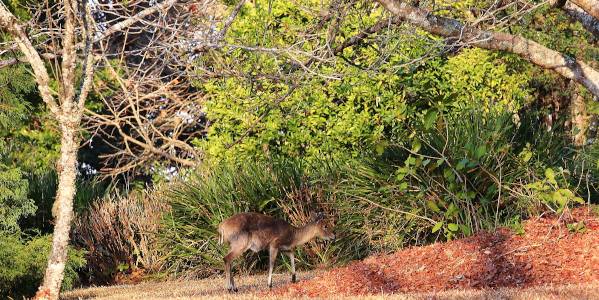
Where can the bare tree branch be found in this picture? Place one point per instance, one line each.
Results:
(10, 23)
(69, 55)
(119, 27)
(534, 52)
(113, 29)
(356, 39)
(8, 62)
(227, 24)
(588, 22)
(147, 120)
(589, 6)
(88, 63)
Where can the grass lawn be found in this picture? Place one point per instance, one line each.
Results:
(250, 287)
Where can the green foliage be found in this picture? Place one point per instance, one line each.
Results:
(474, 78)
(306, 124)
(556, 197)
(516, 225)
(15, 85)
(456, 174)
(23, 261)
(36, 149)
(349, 109)
(464, 172)
(554, 29)
(321, 117)
(17, 7)
(577, 227)
(28, 147)
(14, 203)
(28, 137)
(460, 174)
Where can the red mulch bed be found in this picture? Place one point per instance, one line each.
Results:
(546, 254)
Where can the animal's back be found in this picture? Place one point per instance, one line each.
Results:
(251, 224)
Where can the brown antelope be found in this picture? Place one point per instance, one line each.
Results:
(258, 232)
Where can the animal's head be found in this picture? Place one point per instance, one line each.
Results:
(324, 228)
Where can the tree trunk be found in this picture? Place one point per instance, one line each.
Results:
(62, 210)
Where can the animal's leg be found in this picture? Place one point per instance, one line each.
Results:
(237, 248)
(273, 251)
(292, 259)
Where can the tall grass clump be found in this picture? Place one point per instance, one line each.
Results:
(465, 173)
(119, 233)
(283, 188)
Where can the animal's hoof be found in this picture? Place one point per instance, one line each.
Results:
(270, 286)
(293, 279)
(233, 290)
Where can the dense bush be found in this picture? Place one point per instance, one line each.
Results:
(366, 102)
(473, 78)
(460, 174)
(25, 205)
(23, 261)
(456, 175)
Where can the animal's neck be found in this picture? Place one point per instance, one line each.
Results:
(304, 234)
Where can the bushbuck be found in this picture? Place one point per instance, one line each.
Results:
(258, 232)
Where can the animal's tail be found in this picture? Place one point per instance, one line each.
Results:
(221, 237)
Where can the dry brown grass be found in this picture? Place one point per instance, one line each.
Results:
(120, 230)
(250, 287)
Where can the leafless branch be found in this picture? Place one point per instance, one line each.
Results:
(148, 120)
(588, 22)
(536, 53)
(591, 7)
(12, 25)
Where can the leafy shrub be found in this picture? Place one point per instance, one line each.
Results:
(550, 192)
(465, 172)
(457, 174)
(474, 78)
(23, 261)
(373, 212)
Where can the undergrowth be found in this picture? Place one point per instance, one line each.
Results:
(455, 176)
